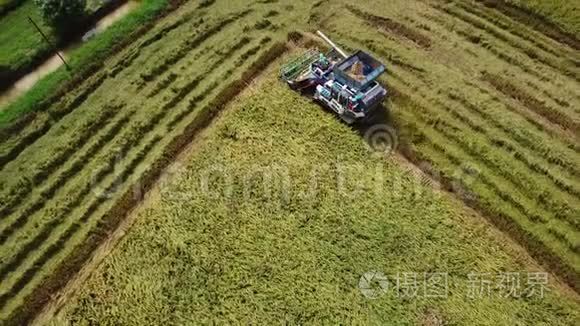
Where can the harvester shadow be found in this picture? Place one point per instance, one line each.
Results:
(379, 131)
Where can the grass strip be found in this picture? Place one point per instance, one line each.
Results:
(88, 59)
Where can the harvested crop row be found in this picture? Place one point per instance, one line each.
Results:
(38, 174)
(79, 138)
(75, 166)
(549, 249)
(501, 22)
(226, 54)
(559, 207)
(480, 41)
(59, 159)
(500, 54)
(527, 142)
(507, 168)
(141, 131)
(531, 103)
(496, 206)
(190, 43)
(552, 79)
(523, 137)
(79, 250)
(540, 124)
(552, 62)
(97, 81)
(135, 51)
(537, 124)
(479, 147)
(391, 26)
(54, 116)
(534, 21)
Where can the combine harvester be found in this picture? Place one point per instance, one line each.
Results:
(345, 84)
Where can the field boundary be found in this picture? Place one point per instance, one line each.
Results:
(134, 195)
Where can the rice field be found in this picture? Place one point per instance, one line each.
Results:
(255, 224)
(486, 105)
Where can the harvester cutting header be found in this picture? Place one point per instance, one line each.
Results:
(345, 84)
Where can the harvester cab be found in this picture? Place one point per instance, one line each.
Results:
(345, 84)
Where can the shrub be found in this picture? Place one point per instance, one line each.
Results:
(62, 14)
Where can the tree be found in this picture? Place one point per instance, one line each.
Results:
(62, 14)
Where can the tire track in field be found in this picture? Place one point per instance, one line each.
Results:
(93, 207)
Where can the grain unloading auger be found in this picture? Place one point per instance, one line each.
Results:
(345, 84)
